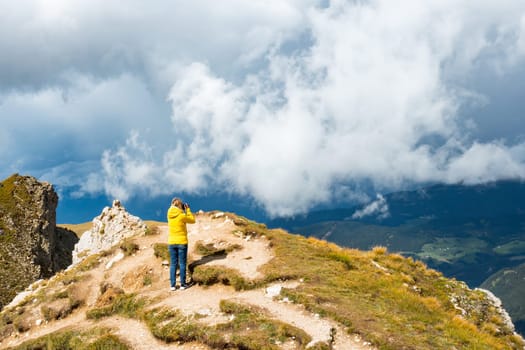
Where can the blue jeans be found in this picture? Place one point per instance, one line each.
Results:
(178, 256)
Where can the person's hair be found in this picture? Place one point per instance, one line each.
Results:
(177, 202)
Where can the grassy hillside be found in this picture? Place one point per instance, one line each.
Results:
(466, 232)
(391, 301)
(509, 285)
(470, 251)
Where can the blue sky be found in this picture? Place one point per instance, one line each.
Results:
(289, 104)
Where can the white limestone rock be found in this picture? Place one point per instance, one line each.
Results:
(109, 228)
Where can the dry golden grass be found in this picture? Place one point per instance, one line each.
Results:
(79, 229)
(392, 301)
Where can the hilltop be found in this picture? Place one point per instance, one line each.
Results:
(255, 288)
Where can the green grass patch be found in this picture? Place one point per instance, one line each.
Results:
(252, 329)
(88, 263)
(450, 249)
(171, 325)
(210, 275)
(246, 227)
(511, 248)
(93, 339)
(210, 249)
(128, 305)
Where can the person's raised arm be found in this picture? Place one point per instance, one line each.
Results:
(189, 219)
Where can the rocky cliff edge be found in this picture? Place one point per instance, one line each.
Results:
(31, 246)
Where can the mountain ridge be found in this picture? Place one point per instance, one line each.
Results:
(306, 292)
(252, 288)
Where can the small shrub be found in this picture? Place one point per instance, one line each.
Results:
(152, 230)
(161, 251)
(147, 280)
(379, 250)
(74, 301)
(49, 313)
(129, 247)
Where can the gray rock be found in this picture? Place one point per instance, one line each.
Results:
(31, 246)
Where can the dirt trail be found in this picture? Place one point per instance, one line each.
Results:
(205, 302)
(126, 274)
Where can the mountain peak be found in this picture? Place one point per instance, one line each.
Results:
(254, 288)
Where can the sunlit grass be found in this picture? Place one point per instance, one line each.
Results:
(210, 275)
(128, 305)
(250, 328)
(393, 301)
(93, 339)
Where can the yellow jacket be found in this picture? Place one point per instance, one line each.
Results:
(177, 220)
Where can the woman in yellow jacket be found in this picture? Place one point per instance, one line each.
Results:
(179, 214)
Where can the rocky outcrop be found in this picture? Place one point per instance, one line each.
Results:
(481, 304)
(31, 246)
(508, 284)
(495, 302)
(109, 228)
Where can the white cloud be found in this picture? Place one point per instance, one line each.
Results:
(379, 208)
(288, 102)
(487, 162)
(129, 168)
